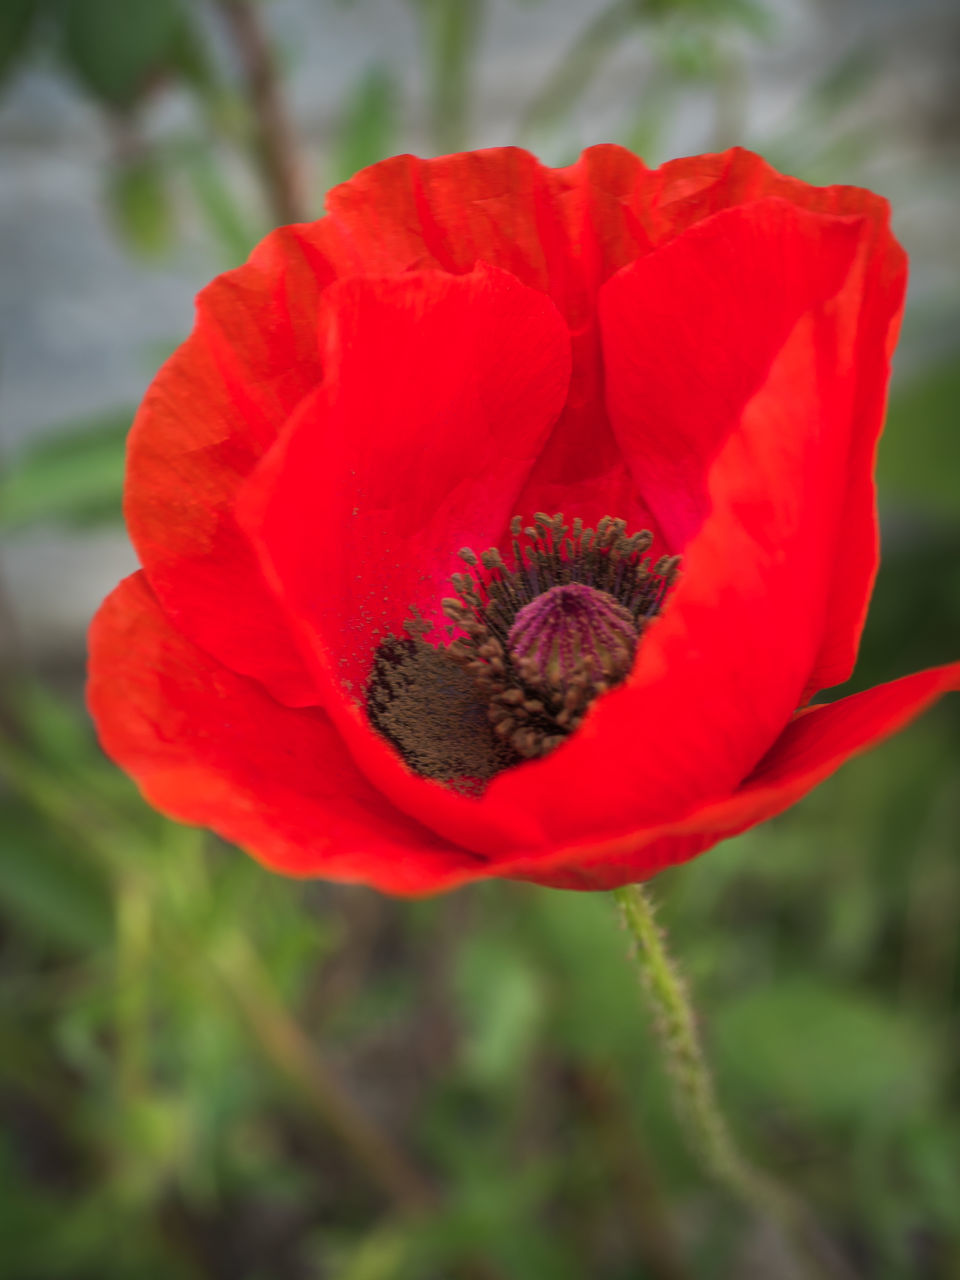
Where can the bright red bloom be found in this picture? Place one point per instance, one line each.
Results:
(701, 350)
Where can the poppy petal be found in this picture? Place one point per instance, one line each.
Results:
(720, 673)
(686, 191)
(563, 231)
(210, 414)
(440, 391)
(872, 299)
(212, 748)
(690, 332)
(814, 745)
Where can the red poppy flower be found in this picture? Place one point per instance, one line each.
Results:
(684, 362)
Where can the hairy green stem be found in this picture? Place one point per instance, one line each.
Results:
(695, 1095)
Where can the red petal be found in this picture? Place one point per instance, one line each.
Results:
(872, 301)
(440, 392)
(213, 409)
(211, 748)
(725, 668)
(563, 231)
(499, 206)
(814, 745)
(690, 332)
(868, 310)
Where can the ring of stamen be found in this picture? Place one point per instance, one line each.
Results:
(539, 639)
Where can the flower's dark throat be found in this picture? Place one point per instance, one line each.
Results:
(528, 648)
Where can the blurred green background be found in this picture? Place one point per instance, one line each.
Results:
(209, 1072)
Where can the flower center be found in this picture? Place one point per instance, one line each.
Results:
(570, 629)
(531, 645)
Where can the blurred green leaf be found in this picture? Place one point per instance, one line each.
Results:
(380, 1255)
(117, 48)
(692, 55)
(501, 1002)
(919, 459)
(576, 70)
(156, 1140)
(139, 202)
(914, 618)
(688, 46)
(52, 729)
(368, 129)
(844, 82)
(933, 1149)
(451, 28)
(749, 15)
(17, 18)
(827, 1055)
(498, 1215)
(231, 226)
(189, 55)
(46, 889)
(72, 476)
